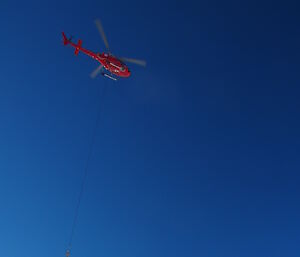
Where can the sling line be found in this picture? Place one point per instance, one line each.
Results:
(83, 183)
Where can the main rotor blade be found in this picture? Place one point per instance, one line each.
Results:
(101, 31)
(96, 72)
(135, 61)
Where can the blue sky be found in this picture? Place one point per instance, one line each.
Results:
(196, 155)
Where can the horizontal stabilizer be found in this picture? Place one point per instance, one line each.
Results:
(78, 47)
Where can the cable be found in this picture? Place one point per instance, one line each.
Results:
(100, 107)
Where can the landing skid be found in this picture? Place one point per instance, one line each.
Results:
(108, 76)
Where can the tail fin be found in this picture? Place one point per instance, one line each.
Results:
(66, 41)
(78, 47)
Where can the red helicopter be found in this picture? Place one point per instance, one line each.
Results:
(114, 65)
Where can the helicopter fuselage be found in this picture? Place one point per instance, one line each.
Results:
(108, 61)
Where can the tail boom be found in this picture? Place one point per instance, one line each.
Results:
(78, 47)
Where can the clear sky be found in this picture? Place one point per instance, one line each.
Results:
(196, 155)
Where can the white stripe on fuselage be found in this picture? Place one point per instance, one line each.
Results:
(118, 67)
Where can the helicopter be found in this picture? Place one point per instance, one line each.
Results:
(110, 66)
